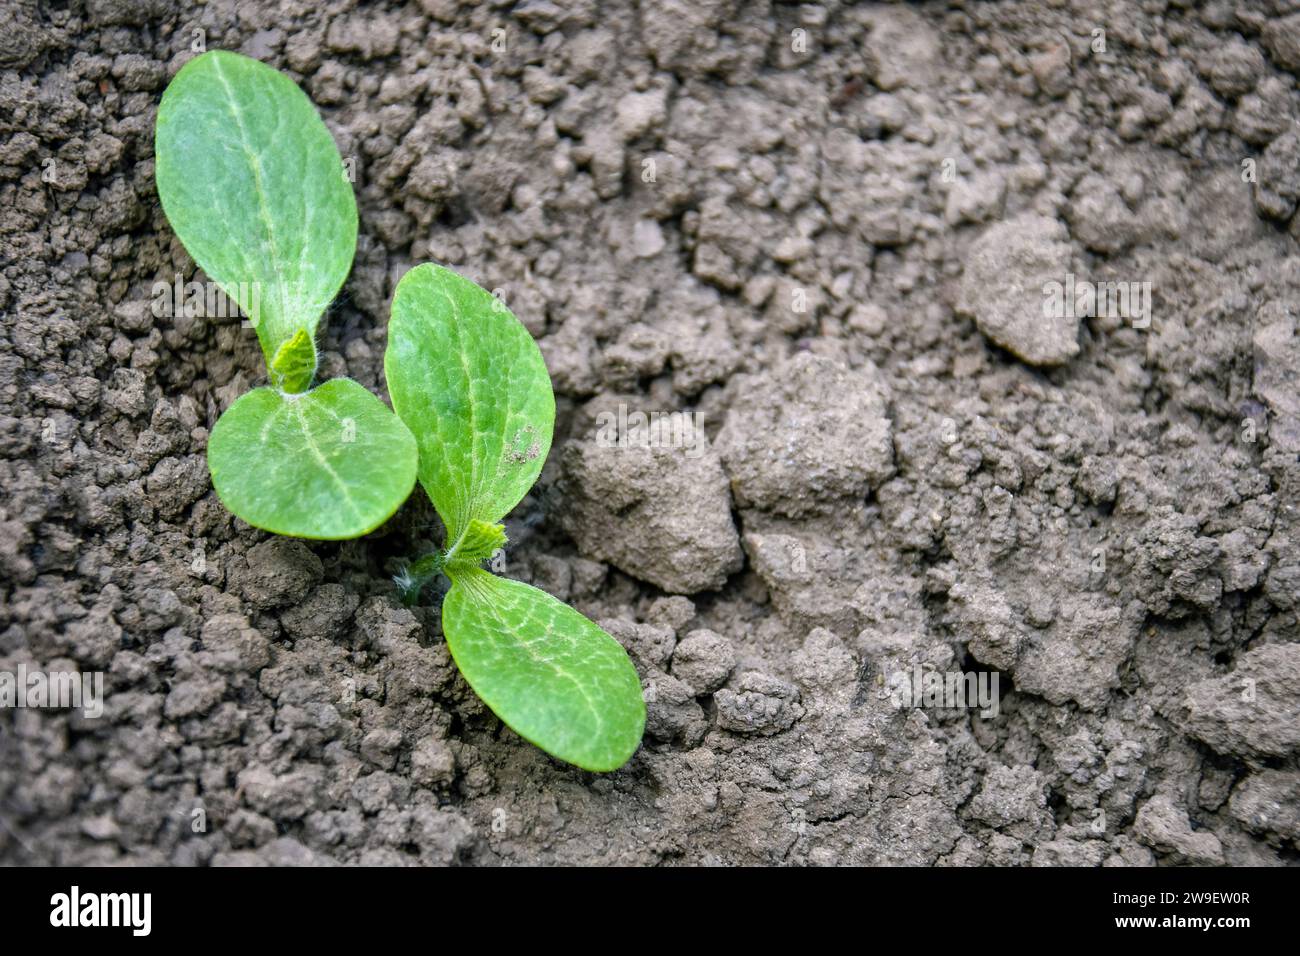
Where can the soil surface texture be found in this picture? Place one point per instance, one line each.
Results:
(825, 235)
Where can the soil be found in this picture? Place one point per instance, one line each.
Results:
(825, 232)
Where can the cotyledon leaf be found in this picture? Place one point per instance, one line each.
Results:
(549, 673)
(470, 383)
(331, 463)
(253, 185)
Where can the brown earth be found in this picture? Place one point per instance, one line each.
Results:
(824, 229)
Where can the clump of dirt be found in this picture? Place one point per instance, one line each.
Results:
(821, 231)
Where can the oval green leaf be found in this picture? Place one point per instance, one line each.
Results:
(253, 185)
(470, 383)
(549, 673)
(331, 463)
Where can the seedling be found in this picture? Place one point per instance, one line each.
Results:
(255, 189)
(470, 383)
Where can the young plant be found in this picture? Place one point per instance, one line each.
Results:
(255, 189)
(470, 383)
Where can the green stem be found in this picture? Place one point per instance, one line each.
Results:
(451, 552)
(412, 579)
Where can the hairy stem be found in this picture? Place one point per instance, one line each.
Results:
(476, 544)
(412, 579)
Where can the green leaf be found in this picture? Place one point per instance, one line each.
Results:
(331, 463)
(294, 365)
(479, 543)
(253, 185)
(553, 676)
(470, 383)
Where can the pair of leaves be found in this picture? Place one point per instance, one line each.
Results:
(470, 382)
(253, 185)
